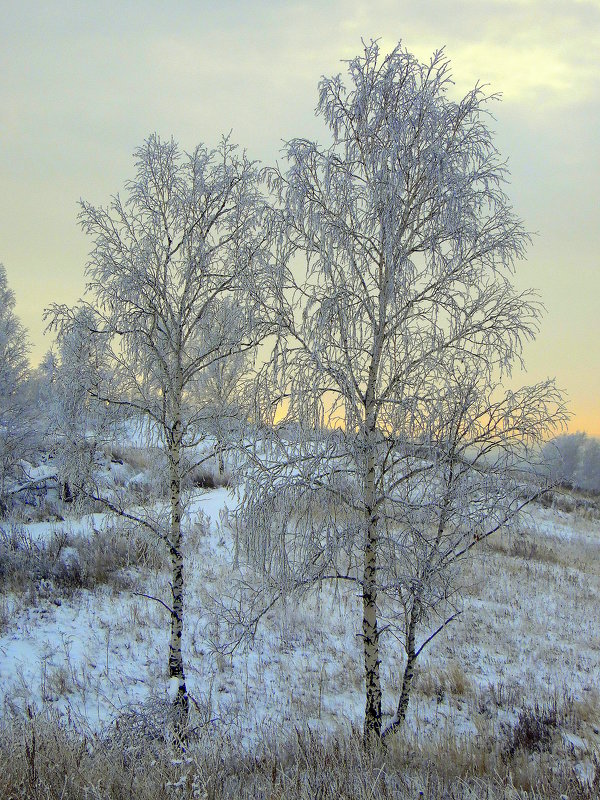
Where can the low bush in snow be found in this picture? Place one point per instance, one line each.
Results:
(534, 730)
(201, 477)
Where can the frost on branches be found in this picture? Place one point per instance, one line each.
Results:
(170, 263)
(396, 446)
(78, 421)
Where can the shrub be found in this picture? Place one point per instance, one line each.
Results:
(534, 730)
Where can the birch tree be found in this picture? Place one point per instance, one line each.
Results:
(410, 244)
(166, 263)
(481, 445)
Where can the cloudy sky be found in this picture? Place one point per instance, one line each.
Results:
(83, 84)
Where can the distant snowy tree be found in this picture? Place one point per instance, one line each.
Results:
(409, 243)
(42, 380)
(167, 261)
(79, 422)
(15, 428)
(561, 456)
(587, 472)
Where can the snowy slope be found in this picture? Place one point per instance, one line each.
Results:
(529, 632)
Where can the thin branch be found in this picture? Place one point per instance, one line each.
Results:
(156, 599)
(435, 633)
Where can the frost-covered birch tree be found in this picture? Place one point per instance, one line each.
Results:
(481, 446)
(409, 243)
(167, 261)
(14, 368)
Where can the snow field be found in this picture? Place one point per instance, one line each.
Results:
(529, 633)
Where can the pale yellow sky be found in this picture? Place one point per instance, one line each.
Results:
(83, 84)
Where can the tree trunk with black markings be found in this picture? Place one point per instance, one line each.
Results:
(409, 672)
(372, 723)
(176, 666)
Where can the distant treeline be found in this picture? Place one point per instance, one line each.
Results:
(574, 459)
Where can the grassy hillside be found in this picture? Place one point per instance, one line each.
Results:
(506, 699)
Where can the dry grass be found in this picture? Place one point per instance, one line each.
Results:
(524, 545)
(573, 501)
(588, 710)
(40, 759)
(438, 683)
(66, 562)
(579, 552)
(141, 459)
(205, 477)
(529, 622)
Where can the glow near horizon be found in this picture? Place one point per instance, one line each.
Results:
(83, 87)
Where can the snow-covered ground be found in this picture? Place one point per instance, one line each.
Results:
(529, 632)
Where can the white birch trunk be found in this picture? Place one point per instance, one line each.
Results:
(409, 672)
(372, 723)
(176, 667)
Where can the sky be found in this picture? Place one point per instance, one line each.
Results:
(83, 84)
